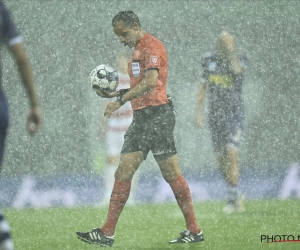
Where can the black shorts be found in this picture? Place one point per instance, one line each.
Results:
(152, 129)
(226, 131)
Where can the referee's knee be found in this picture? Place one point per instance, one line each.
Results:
(124, 174)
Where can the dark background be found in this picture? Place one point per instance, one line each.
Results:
(66, 39)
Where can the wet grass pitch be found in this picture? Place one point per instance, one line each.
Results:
(151, 226)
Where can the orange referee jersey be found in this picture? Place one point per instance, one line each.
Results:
(148, 54)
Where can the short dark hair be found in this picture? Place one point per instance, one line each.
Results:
(128, 17)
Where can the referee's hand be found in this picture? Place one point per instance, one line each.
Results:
(107, 94)
(34, 120)
(110, 108)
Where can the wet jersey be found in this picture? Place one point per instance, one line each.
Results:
(149, 53)
(122, 117)
(224, 88)
(9, 34)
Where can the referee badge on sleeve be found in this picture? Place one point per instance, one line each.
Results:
(136, 69)
(153, 59)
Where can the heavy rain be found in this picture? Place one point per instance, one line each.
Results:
(63, 165)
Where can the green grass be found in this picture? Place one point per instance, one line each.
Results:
(151, 226)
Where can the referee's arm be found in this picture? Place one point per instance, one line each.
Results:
(148, 83)
(19, 54)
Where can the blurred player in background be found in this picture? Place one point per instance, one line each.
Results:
(223, 79)
(113, 130)
(10, 36)
(151, 130)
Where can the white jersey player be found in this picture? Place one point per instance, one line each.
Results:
(119, 122)
(114, 129)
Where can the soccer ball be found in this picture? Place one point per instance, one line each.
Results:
(104, 77)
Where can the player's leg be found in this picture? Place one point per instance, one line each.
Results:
(135, 178)
(165, 154)
(128, 165)
(235, 198)
(4, 121)
(104, 236)
(109, 179)
(226, 157)
(227, 162)
(172, 174)
(134, 151)
(114, 142)
(218, 142)
(232, 167)
(232, 142)
(134, 187)
(5, 238)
